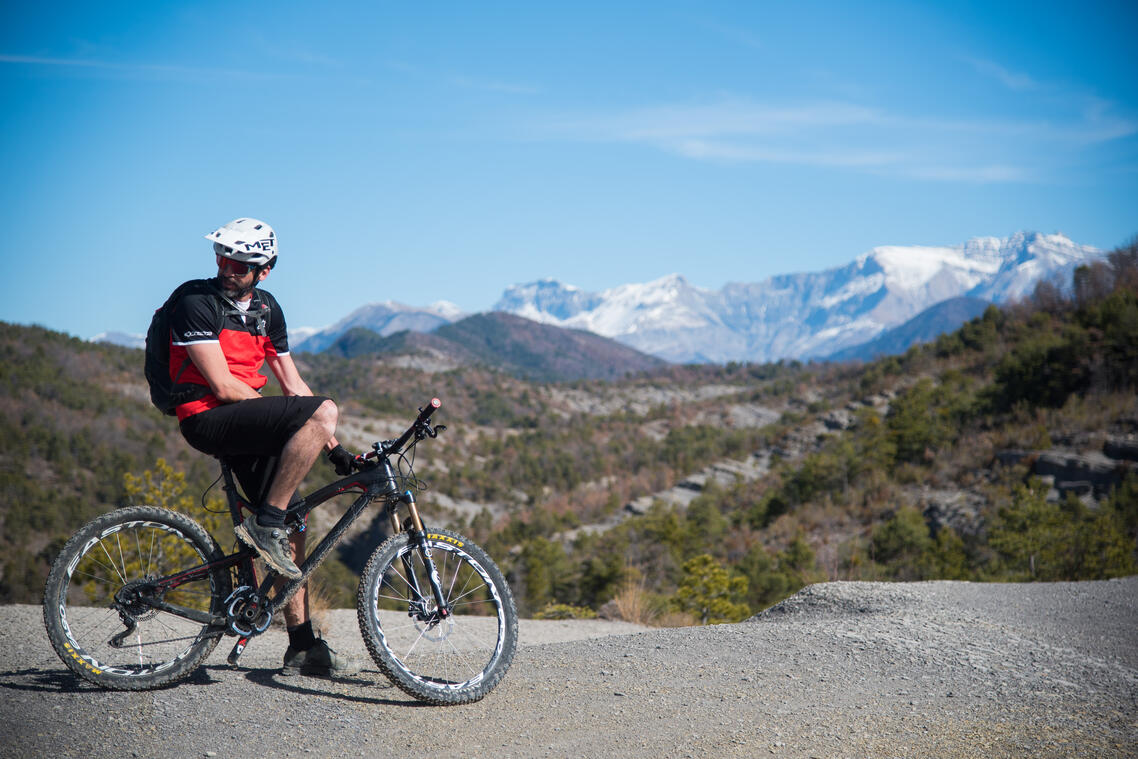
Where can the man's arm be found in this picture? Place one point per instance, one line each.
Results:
(284, 369)
(210, 361)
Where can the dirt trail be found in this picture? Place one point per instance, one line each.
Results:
(840, 670)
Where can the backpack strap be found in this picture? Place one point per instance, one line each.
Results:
(258, 311)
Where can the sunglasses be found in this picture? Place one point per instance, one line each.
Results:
(237, 267)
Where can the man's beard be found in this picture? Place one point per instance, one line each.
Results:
(227, 286)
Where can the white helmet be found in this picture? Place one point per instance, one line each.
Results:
(247, 240)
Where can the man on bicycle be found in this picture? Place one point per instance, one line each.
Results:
(222, 331)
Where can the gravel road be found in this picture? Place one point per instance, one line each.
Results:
(941, 669)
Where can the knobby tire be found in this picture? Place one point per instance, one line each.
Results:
(453, 660)
(124, 546)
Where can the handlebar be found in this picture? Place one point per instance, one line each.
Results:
(418, 428)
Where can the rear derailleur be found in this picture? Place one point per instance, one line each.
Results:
(131, 604)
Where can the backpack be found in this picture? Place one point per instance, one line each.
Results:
(167, 393)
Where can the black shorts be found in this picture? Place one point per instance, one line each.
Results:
(250, 435)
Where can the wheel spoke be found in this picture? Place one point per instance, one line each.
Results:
(467, 593)
(122, 558)
(153, 546)
(121, 575)
(468, 633)
(138, 548)
(453, 577)
(96, 578)
(414, 644)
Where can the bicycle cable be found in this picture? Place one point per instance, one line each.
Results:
(206, 492)
(407, 478)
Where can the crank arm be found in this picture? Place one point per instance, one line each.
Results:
(238, 648)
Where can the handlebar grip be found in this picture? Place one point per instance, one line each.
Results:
(427, 410)
(424, 415)
(397, 444)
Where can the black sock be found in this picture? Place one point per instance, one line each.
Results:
(270, 516)
(301, 637)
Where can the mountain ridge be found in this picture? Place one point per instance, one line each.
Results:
(518, 346)
(808, 314)
(803, 315)
(384, 318)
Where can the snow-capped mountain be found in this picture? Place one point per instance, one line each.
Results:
(383, 318)
(546, 298)
(802, 315)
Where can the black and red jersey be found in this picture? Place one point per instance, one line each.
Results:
(201, 315)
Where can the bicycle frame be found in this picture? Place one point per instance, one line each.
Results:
(376, 480)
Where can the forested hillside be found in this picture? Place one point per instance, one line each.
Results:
(508, 343)
(1005, 450)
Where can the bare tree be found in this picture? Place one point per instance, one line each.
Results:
(1124, 263)
(1093, 282)
(1048, 297)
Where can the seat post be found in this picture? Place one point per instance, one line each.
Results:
(232, 494)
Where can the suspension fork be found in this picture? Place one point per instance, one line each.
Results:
(418, 535)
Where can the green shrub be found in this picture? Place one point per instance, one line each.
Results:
(905, 545)
(1038, 540)
(710, 594)
(565, 611)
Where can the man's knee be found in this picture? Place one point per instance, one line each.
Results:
(326, 415)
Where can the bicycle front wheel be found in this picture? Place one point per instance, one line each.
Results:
(98, 600)
(455, 654)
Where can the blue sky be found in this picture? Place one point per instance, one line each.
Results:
(424, 152)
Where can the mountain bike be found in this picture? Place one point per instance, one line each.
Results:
(139, 597)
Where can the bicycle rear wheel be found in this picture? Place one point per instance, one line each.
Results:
(98, 587)
(452, 658)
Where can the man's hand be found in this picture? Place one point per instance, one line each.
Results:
(342, 460)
